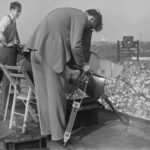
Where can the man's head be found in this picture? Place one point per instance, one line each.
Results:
(15, 9)
(94, 19)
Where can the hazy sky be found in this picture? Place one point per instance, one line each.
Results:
(120, 17)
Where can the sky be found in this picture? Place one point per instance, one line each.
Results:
(120, 17)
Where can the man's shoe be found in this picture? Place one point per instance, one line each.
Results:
(48, 137)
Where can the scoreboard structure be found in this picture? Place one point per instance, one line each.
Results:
(128, 48)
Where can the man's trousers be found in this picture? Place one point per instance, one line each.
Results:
(8, 56)
(50, 89)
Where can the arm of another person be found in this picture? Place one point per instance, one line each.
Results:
(78, 24)
(3, 25)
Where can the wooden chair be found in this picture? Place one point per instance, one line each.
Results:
(15, 75)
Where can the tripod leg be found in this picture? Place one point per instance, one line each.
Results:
(122, 119)
(67, 134)
(75, 107)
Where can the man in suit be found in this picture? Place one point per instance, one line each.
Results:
(56, 43)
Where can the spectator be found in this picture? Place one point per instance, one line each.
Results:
(8, 40)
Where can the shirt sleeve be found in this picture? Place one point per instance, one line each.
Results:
(4, 23)
(78, 24)
(86, 42)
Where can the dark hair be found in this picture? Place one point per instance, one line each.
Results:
(96, 13)
(14, 5)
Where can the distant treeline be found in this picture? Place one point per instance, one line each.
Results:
(108, 50)
(113, 45)
(145, 45)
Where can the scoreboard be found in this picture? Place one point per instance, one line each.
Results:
(128, 48)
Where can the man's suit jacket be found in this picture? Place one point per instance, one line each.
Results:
(59, 37)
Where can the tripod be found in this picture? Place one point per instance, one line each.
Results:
(93, 85)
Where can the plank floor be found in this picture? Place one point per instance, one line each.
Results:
(108, 134)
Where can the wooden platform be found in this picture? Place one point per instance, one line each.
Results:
(22, 142)
(16, 140)
(108, 134)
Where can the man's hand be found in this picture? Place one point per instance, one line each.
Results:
(2, 39)
(86, 67)
(11, 44)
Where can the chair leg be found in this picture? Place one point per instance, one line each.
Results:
(26, 110)
(13, 107)
(7, 102)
